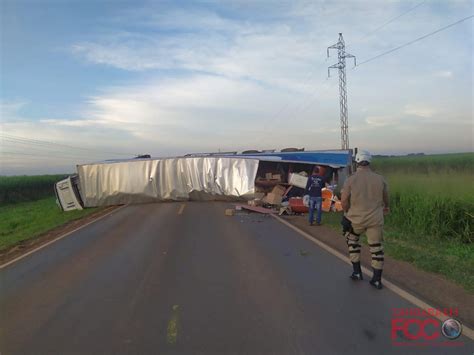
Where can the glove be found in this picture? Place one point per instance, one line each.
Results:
(306, 200)
(346, 225)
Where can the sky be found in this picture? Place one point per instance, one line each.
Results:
(84, 81)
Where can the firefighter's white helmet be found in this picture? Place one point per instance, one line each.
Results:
(363, 155)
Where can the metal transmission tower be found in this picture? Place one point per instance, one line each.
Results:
(341, 65)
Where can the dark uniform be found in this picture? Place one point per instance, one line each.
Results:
(313, 189)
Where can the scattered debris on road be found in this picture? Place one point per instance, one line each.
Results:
(229, 212)
(282, 191)
(304, 253)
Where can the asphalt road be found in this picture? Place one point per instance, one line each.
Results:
(163, 279)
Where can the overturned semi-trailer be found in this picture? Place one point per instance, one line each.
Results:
(215, 176)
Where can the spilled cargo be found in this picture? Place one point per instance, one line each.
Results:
(213, 176)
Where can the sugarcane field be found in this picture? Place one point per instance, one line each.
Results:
(289, 177)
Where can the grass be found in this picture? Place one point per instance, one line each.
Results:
(452, 259)
(431, 223)
(427, 164)
(431, 195)
(15, 189)
(27, 220)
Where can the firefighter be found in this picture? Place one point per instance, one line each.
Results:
(365, 202)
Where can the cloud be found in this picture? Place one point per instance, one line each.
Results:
(10, 109)
(182, 115)
(253, 75)
(381, 121)
(420, 111)
(279, 53)
(71, 122)
(260, 55)
(188, 108)
(448, 74)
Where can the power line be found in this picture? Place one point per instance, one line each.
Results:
(46, 143)
(52, 155)
(341, 66)
(288, 104)
(40, 155)
(276, 117)
(392, 20)
(37, 145)
(308, 103)
(311, 101)
(10, 143)
(414, 41)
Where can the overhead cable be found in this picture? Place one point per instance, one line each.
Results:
(392, 20)
(415, 40)
(22, 145)
(6, 153)
(51, 155)
(46, 143)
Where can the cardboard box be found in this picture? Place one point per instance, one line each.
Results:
(268, 176)
(279, 190)
(326, 207)
(276, 177)
(229, 212)
(298, 180)
(338, 206)
(255, 202)
(326, 194)
(297, 205)
(273, 199)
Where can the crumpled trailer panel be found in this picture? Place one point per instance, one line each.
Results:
(152, 180)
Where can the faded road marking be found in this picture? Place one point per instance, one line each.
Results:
(181, 209)
(172, 333)
(468, 332)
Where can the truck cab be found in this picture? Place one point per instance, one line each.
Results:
(67, 194)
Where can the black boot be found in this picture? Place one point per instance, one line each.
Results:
(357, 273)
(377, 279)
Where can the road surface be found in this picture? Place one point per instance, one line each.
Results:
(176, 278)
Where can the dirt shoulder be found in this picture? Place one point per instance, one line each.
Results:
(25, 246)
(429, 287)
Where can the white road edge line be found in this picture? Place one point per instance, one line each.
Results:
(58, 238)
(400, 292)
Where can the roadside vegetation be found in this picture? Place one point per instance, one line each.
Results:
(28, 208)
(26, 220)
(431, 195)
(14, 189)
(431, 223)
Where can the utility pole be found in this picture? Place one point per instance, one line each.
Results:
(341, 65)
